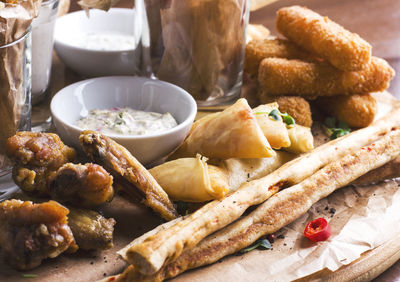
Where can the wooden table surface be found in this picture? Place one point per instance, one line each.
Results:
(378, 21)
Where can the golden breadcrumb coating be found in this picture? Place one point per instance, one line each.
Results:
(311, 79)
(356, 110)
(319, 35)
(257, 50)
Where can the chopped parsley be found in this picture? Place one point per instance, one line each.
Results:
(275, 114)
(263, 243)
(335, 128)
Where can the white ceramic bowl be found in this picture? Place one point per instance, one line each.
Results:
(90, 62)
(74, 101)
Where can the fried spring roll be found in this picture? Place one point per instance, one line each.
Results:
(356, 110)
(319, 35)
(168, 244)
(278, 211)
(313, 78)
(257, 50)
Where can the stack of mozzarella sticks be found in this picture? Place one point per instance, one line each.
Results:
(321, 61)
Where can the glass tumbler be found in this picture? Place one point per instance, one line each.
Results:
(15, 92)
(198, 45)
(42, 48)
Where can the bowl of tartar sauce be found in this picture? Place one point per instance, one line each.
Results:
(105, 43)
(150, 118)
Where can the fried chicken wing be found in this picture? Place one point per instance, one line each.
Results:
(137, 181)
(39, 149)
(33, 232)
(37, 157)
(86, 185)
(91, 230)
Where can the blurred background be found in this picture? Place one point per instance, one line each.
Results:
(377, 21)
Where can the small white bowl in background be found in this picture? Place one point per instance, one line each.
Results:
(74, 101)
(72, 28)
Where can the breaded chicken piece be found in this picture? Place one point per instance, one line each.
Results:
(297, 107)
(310, 79)
(39, 149)
(33, 232)
(86, 185)
(257, 50)
(319, 35)
(356, 110)
(37, 157)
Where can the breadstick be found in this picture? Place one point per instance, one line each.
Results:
(319, 35)
(280, 210)
(257, 50)
(168, 244)
(387, 171)
(356, 110)
(278, 76)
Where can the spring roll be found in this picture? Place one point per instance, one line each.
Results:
(315, 78)
(356, 110)
(301, 139)
(191, 179)
(257, 50)
(274, 130)
(319, 35)
(232, 133)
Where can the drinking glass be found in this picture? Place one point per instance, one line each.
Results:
(15, 92)
(197, 44)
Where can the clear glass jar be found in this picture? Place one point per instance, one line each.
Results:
(42, 48)
(198, 45)
(15, 91)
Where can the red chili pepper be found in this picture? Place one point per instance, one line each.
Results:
(318, 230)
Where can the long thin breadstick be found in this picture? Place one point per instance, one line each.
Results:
(387, 171)
(278, 211)
(321, 36)
(310, 79)
(168, 244)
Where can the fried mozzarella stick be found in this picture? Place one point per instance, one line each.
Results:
(168, 244)
(278, 76)
(278, 211)
(356, 110)
(257, 50)
(319, 35)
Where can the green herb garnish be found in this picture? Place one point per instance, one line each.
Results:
(263, 243)
(335, 129)
(182, 208)
(275, 114)
(29, 275)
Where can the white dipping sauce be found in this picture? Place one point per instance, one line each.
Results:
(126, 121)
(105, 41)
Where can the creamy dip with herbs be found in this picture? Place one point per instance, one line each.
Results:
(127, 121)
